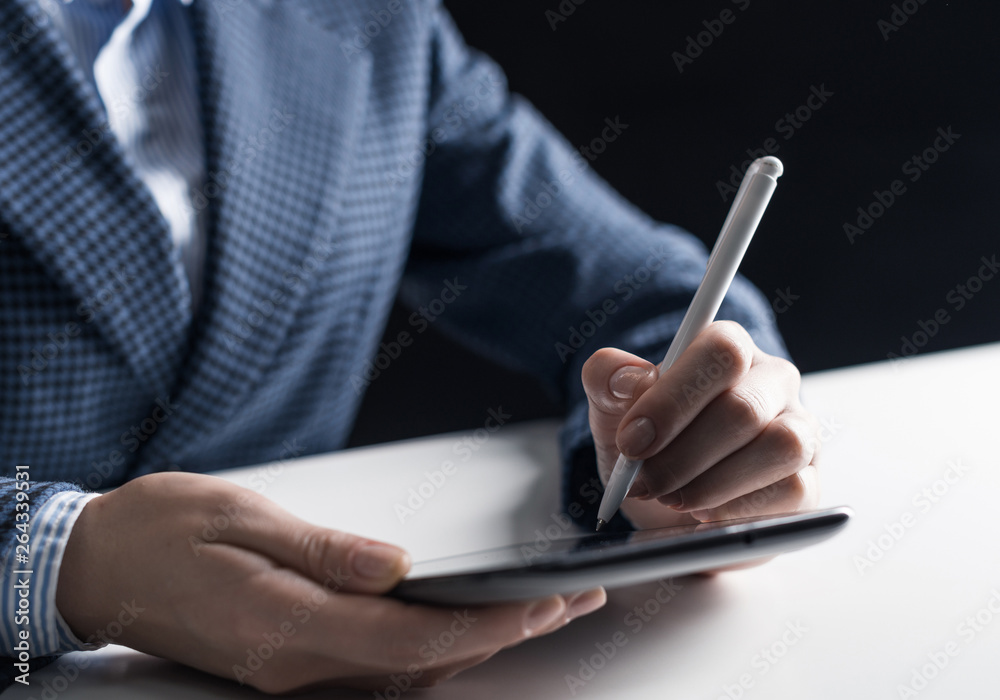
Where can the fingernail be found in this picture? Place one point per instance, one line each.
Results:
(544, 613)
(636, 437)
(670, 499)
(624, 381)
(586, 603)
(377, 560)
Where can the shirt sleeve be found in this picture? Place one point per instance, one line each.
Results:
(28, 598)
(524, 254)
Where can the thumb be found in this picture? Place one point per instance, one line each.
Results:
(613, 379)
(337, 560)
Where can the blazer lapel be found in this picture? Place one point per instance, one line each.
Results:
(282, 107)
(67, 192)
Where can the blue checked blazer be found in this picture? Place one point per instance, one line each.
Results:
(355, 151)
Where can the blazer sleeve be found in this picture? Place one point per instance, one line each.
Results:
(524, 254)
(36, 519)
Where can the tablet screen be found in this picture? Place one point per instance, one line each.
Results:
(544, 553)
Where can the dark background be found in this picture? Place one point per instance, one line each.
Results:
(855, 302)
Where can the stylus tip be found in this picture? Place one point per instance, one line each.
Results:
(600, 524)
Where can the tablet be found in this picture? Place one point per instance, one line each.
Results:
(575, 563)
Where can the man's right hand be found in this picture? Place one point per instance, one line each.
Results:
(222, 579)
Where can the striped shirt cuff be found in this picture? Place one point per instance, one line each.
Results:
(48, 632)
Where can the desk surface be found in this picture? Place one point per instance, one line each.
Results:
(907, 596)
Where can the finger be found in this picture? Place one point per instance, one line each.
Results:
(431, 642)
(401, 634)
(437, 669)
(612, 380)
(716, 361)
(412, 678)
(794, 493)
(782, 449)
(577, 605)
(338, 560)
(484, 629)
(321, 635)
(730, 422)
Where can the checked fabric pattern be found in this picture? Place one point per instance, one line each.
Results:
(323, 203)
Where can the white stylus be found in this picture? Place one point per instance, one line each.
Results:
(746, 212)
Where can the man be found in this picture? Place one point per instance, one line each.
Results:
(206, 212)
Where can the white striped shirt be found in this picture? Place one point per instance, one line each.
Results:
(142, 66)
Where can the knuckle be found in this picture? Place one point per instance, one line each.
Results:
(661, 479)
(760, 500)
(787, 369)
(316, 548)
(744, 410)
(671, 405)
(790, 440)
(729, 511)
(795, 491)
(731, 346)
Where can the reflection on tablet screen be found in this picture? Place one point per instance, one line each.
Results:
(544, 552)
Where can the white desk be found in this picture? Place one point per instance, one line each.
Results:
(894, 432)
